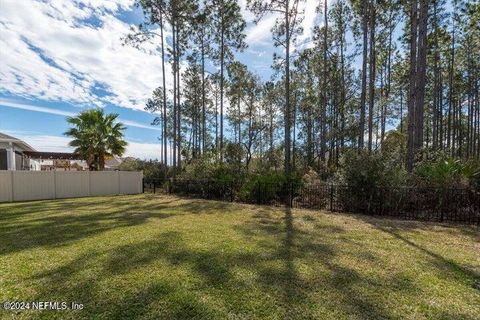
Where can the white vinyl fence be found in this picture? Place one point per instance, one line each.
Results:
(40, 185)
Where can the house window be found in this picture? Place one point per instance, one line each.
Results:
(3, 159)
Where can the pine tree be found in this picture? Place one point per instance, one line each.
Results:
(284, 33)
(155, 13)
(229, 37)
(201, 33)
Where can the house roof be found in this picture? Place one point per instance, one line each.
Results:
(113, 162)
(6, 138)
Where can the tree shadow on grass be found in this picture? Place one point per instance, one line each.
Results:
(293, 247)
(400, 223)
(81, 278)
(130, 280)
(203, 283)
(105, 281)
(54, 231)
(400, 232)
(58, 223)
(22, 210)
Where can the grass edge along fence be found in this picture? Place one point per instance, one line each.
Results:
(413, 203)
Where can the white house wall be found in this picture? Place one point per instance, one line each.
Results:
(34, 164)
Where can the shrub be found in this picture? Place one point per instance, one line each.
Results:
(311, 177)
(267, 188)
(366, 175)
(472, 173)
(207, 167)
(152, 169)
(363, 170)
(446, 172)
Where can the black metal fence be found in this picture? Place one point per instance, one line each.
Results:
(432, 204)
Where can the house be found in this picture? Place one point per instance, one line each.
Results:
(16, 154)
(57, 161)
(112, 163)
(12, 155)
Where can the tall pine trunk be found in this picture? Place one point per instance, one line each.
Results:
(343, 91)
(363, 96)
(421, 74)
(372, 75)
(323, 138)
(179, 125)
(451, 91)
(164, 115)
(174, 70)
(287, 114)
(204, 118)
(412, 85)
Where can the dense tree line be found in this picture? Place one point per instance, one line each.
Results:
(377, 74)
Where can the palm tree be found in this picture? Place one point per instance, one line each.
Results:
(96, 135)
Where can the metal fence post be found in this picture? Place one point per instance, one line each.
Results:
(231, 191)
(331, 197)
(143, 185)
(442, 205)
(290, 202)
(257, 187)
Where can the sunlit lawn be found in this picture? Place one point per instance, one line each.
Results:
(163, 257)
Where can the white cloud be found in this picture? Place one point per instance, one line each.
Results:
(260, 34)
(9, 104)
(309, 18)
(15, 105)
(47, 143)
(257, 34)
(51, 51)
(143, 150)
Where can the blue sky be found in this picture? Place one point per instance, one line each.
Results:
(58, 57)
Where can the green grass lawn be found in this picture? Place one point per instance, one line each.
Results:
(163, 257)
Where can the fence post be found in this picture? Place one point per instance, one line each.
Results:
(331, 197)
(118, 182)
(442, 204)
(231, 191)
(257, 189)
(143, 185)
(54, 184)
(290, 202)
(12, 196)
(89, 183)
(154, 186)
